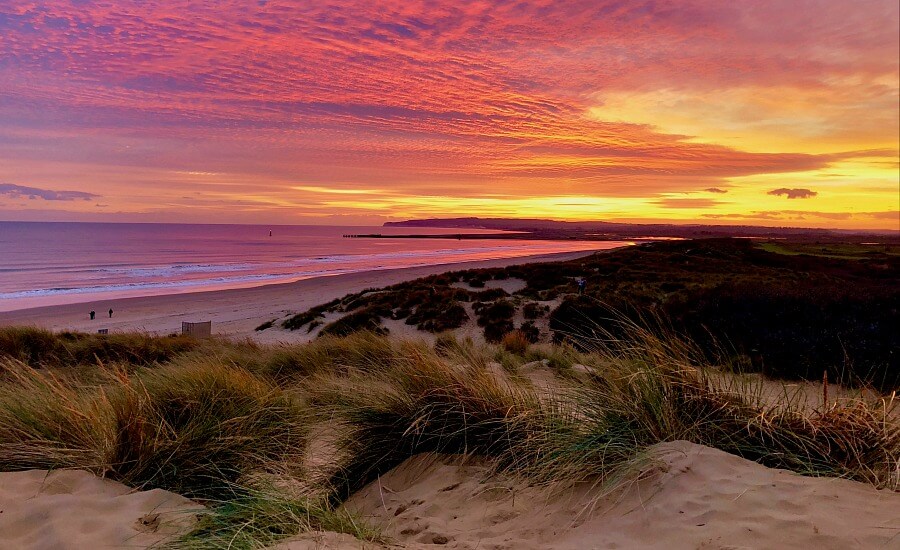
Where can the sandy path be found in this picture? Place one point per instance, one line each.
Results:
(236, 312)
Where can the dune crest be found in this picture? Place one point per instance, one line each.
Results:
(73, 509)
(689, 497)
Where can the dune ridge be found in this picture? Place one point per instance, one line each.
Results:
(689, 496)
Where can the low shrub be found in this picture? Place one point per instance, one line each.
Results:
(496, 318)
(489, 295)
(515, 342)
(534, 310)
(311, 315)
(265, 326)
(438, 317)
(363, 320)
(530, 331)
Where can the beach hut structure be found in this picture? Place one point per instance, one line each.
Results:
(202, 329)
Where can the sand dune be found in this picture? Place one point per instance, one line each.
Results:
(77, 510)
(690, 497)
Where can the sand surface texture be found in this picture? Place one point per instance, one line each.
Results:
(689, 497)
(70, 509)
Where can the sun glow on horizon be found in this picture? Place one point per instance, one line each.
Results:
(340, 112)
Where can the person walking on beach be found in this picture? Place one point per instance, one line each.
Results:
(110, 313)
(93, 314)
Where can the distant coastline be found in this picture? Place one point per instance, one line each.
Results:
(600, 230)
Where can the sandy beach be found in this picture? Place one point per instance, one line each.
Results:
(235, 312)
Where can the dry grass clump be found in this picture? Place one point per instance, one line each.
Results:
(196, 430)
(358, 352)
(515, 342)
(47, 423)
(422, 404)
(40, 347)
(653, 388)
(193, 430)
(260, 517)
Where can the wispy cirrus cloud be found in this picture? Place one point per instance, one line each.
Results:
(687, 203)
(600, 98)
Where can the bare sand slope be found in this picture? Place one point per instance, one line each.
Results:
(691, 497)
(69, 509)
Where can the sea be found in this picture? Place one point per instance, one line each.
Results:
(49, 263)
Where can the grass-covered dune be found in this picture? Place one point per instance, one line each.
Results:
(273, 439)
(793, 311)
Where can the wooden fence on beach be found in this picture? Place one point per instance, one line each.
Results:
(197, 330)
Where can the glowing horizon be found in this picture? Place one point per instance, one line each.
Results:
(755, 112)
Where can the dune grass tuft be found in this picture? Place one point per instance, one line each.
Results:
(258, 518)
(48, 423)
(191, 430)
(422, 404)
(40, 347)
(655, 387)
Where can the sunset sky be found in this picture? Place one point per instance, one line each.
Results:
(760, 112)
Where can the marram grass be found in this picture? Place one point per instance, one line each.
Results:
(218, 420)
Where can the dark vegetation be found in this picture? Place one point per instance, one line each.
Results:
(38, 346)
(308, 316)
(265, 326)
(365, 319)
(534, 310)
(791, 310)
(495, 317)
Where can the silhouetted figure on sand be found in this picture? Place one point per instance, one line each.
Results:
(110, 313)
(93, 314)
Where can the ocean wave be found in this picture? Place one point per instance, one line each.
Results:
(180, 269)
(129, 287)
(172, 278)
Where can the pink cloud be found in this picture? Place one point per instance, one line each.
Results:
(423, 97)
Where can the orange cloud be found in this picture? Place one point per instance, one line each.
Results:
(793, 193)
(303, 110)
